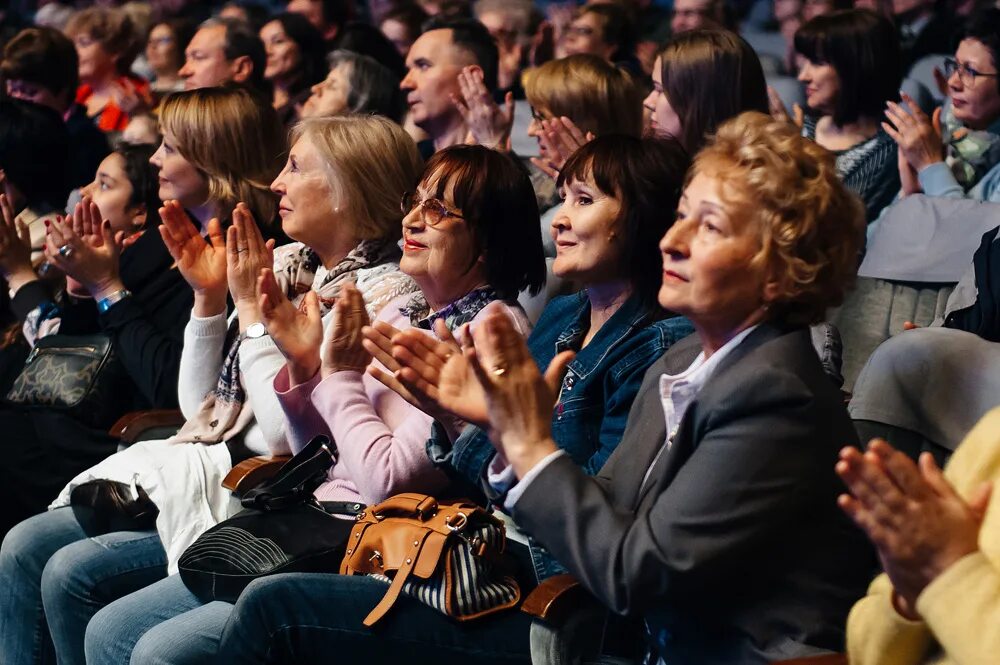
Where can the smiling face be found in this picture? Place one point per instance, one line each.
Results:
(586, 234)
(977, 106)
(433, 65)
(283, 55)
(179, 179)
(96, 63)
(205, 63)
(111, 191)
(439, 257)
(306, 207)
(822, 85)
(663, 120)
(329, 97)
(708, 270)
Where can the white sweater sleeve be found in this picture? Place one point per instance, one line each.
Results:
(260, 362)
(201, 361)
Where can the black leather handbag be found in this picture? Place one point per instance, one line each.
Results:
(283, 529)
(77, 374)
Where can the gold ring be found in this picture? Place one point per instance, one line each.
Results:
(499, 371)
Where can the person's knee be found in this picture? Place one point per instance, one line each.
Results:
(67, 574)
(20, 553)
(102, 635)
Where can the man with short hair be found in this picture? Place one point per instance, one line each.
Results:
(604, 30)
(434, 63)
(327, 16)
(40, 65)
(224, 51)
(696, 14)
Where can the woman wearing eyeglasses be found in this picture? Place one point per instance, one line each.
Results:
(956, 152)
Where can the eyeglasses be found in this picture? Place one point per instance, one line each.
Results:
(432, 211)
(967, 75)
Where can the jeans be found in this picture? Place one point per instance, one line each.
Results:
(55, 578)
(317, 618)
(163, 623)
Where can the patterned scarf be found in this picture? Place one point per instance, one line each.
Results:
(456, 314)
(971, 153)
(297, 269)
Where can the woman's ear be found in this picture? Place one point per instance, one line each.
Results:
(139, 216)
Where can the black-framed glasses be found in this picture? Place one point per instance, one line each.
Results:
(432, 211)
(967, 75)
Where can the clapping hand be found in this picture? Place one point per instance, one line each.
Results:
(917, 135)
(344, 350)
(297, 332)
(202, 264)
(560, 138)
(488, 124)
(86, 249)
(15, 244)
(777, 109)
(519, 398)
(247, 254)
(917, 521)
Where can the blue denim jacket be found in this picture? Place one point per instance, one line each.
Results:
(596, 395)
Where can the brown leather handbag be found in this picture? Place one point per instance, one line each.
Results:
(447, 555)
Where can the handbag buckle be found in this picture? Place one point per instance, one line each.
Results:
(457, 522)
(377, 557)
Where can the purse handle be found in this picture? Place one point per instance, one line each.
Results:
(420, 505)
(296, 480)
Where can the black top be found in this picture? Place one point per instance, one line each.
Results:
(88, 147)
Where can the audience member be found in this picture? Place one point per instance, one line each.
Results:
(295, 54)
(252, 13)
(936, 539)
(205, 167)
(604, 30)
(40, 65)
(850, 68)
(368, 40)
(464, 241)
(686, 104)
(925, 28)
(432, 81)
(356, 84)
(224, 51)
(402, 25)
(34, 149)
(697, 14)
(106, 44)
(756, 409)
(165, 47)
(508, 21)
(327, 16)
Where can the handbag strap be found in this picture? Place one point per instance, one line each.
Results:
(398, 580)
(296, 480)
(419, 505)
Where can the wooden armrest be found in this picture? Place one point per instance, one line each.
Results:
(830, 659)
(554, 599)
(250, 473)
(132, 425)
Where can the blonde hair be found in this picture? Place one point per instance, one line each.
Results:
(811, 225)
(596, 95)
(234, 138)
(370, 162)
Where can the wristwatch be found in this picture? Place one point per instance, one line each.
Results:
(255, 331)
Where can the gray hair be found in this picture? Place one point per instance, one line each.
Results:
(374, 88)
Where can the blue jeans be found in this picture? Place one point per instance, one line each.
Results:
(312, 618)
(163, 623)
(55, 578)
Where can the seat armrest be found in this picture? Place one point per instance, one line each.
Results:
(131, 427)
(555, 598)
(829, 659)
(250, 473)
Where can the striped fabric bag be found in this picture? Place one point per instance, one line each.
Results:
(445, 555)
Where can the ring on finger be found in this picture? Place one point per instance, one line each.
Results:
(499, 371)
(65, 251)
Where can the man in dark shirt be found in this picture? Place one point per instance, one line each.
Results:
(40, 65)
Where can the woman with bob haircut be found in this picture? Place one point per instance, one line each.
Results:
(715, 519)
(356, 84)
(106, 44)
(468, 234)
(339, 201)
(851, 69)
(686, 102)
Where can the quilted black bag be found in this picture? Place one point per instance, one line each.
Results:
(282, 529)
(77, 374)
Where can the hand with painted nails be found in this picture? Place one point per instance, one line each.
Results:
(86, 249)
(919, 524)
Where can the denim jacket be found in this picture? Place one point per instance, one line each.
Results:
(596, 395)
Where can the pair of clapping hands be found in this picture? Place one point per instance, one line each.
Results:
(81, 245)
(490, 126)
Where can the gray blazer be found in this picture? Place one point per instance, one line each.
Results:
(734, 550)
